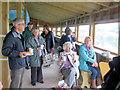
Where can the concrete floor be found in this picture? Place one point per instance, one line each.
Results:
(50, 76)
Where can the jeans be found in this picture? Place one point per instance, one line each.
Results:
(95, 73)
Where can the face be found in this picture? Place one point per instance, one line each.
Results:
(46, 31)
(68, 49)
(30, 27)
(21, 26)
(88, 41)
(36, 32)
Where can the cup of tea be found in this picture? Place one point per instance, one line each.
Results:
(31, 50)
(41, 46)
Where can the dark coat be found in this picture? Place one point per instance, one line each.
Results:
(12, 46)
(112, 78)
(64, 39)
(27, 34)
(49, 39)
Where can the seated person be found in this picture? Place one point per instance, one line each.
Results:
(69, 64)
(88, 62)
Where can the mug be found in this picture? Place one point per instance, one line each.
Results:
(41, 46)
(31, 50)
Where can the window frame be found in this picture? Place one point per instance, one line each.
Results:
(79, 31)
(105, 50)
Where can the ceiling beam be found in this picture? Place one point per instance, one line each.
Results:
(105, 4)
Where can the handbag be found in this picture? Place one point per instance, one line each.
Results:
(49, 58)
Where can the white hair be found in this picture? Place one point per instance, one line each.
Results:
(17, 21)
(35, 29)
(67, 44)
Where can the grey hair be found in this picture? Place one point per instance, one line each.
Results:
(67, 44)
(17, 21)
(35, 29)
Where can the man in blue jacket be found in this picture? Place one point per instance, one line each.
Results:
(14, 48)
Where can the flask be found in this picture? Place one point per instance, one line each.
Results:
(108, 54)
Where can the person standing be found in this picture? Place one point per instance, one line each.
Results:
(14, 48)
(66, 38)
(28, 31)
(27, 34)
(49, 38)
(37, 43)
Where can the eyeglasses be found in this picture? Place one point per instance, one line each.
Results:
(22, 24)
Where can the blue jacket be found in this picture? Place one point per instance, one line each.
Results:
(84, 57)
(64, 39)
(12, 46)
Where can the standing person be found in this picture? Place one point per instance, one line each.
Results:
(74, 39)
(14, 48)
(37, 43)
(49, 38)
(88, 62)
(27, 34)
(66, 38)
(28, 31)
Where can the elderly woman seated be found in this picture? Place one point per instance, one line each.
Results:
(69, 64)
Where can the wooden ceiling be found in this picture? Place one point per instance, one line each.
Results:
(53, 12)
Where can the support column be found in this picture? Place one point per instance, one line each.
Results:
(0, 40)
(76, 34)
(25, 15)
(119, 30)
(61, 29)
(19, 9)
(4, 28)
(91, 27)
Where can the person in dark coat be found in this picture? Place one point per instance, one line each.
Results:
(112, 78)
(66, 38)
(49, 39)
(14, 48)
(27, 34)
(28, 31)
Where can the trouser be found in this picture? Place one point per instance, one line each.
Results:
(95, 73)
(36, 74)
(16, 78)
(69, 76)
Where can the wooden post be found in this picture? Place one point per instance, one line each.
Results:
(4, 28)
(91, 27)
(19, 9)
(119, 30)
(25, 15)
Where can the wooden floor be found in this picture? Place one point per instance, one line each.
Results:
(50, 76)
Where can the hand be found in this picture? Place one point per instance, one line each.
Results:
(74, 57)
(22, 54)
(52, 49)
(39, 48)
(95, 64)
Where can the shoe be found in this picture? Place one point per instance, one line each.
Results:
(33, 84)
(27, 67)
(41, 82)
